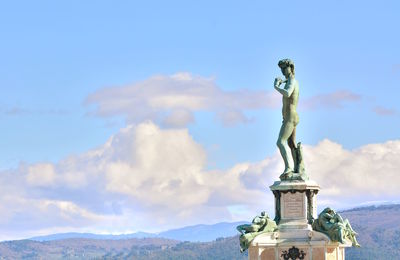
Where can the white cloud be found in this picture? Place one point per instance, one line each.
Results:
(149, 178)
(21, 111)
(383, 111)
(370, 170)
(142, 172)
(41, 174)
(334, 100)
(233, 117)
(173, 99)
(24, 216)
(346, 177)
(179, 118)
(168, 165)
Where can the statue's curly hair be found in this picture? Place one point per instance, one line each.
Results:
(286, 63)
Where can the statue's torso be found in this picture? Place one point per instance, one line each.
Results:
(289, 107)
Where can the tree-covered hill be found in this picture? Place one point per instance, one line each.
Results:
(378, 228)
(379, 232)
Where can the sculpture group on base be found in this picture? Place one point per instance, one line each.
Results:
(332, 224)
(260, 224)
(328, 222)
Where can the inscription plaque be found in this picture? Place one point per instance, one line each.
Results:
(293, 205)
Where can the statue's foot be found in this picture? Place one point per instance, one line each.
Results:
(356, 245)
(288, 170)
(287, 174)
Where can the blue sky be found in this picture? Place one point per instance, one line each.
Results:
(62, 63)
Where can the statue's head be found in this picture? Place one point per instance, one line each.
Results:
(287, 67)
(262, 213)
(328, 210)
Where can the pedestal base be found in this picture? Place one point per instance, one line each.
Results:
(305, 244)
(295, 203)
(295, 210)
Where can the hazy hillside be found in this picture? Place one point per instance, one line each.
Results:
(379, 232)
(196, 233)
(148, 248)
(81, 248)
(378, 228)
(202, 233)
(91, 236)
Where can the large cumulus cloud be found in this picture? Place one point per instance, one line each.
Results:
(347, 177)
(148, 178)
(143, 177)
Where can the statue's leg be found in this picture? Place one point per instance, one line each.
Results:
(341, 235)
(292, 139)
(282, 143)
(349, 227)
(351, 234)
(242, 241)
(245, 228)
(293, 147)
(354, 241)
(240, 228)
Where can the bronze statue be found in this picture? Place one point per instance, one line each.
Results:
(290, 151)
(260, 224)
(332, 224)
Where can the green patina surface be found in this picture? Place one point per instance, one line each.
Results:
(260, 224)
(335, 227)
(291, 151)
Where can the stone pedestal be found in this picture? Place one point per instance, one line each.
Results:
(295, 203)
(295, 210)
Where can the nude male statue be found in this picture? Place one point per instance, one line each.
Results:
(287, 135)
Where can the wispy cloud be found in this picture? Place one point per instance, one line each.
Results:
(382, 111)
(173, 99)
(15, 111)
(333, 100)
(21, 111)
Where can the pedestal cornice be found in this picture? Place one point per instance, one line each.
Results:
(292, 186)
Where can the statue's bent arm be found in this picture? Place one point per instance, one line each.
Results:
(287, 90)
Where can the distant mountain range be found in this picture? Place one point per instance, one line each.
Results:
(378, 228)
(197, 233)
